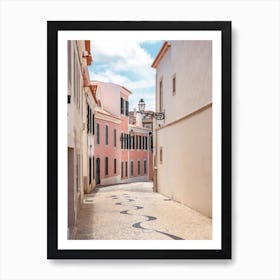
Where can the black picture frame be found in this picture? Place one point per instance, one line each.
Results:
(53, 27)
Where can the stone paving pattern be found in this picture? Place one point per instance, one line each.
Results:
(134, 212)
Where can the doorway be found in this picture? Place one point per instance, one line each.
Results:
(97, 171)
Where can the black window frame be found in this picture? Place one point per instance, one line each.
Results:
(106, 134)
(106, 166)
(115, 166)
(131, 168)
(115, 137)
(122, 106)
(138, 167)
(97, 133)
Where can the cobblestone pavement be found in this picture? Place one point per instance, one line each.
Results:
(134, 212)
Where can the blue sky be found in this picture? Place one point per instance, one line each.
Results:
(127, 63)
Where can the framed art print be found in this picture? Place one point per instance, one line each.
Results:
(139, 140)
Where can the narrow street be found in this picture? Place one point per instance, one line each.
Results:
(134, 212)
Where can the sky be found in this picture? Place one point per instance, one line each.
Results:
(127, 63)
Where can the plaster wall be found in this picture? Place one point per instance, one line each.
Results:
(185, 141)
(191, 63)
(185, 173)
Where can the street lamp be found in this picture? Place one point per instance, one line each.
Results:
(156, 115)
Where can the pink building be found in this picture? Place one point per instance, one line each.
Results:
(122, 151)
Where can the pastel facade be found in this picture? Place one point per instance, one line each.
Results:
(107, 148)
(80, 136)
(183, 158)
(119, 155)
(142, 125)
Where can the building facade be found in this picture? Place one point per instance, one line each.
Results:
(80, 121)
(183, 158)
(122, 150)
(142, 124)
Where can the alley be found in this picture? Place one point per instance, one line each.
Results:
(134, 212)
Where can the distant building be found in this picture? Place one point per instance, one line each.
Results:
(80, 127)
(142, 124)
(184, 138)
(121, 149)
(108, 131)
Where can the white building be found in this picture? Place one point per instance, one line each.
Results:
(80, 128)
(184, 139)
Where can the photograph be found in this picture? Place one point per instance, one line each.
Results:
(142, 125)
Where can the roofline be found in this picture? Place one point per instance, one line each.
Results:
(161, 54)
(107, 114)
(97, 81)
(130, 92)
(93, 89)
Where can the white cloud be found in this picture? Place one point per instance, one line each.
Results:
(125, 63)
(120, 55)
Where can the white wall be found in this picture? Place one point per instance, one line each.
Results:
(185, 173)
(191, 61)
(255, 189)
(110, 97)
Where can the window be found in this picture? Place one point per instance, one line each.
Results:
(106, 165)
(126, 108)
(131, 168)
(122, 169)
(131, 142)
(115, 138)
(146, 143)
(122, 106)
(115, 166)
(145, 167)
(151, 142)
(122, 140)
(126, 169)
(97, 133)
(88, 118)
(125, 143)
(160, 155)
(93, 168)
(92, 124)
(128, 141)
(90, 170)
(138, 167)
(106, 135)
(143, 142)
(90, 121)
(160, 97)
(174, 84)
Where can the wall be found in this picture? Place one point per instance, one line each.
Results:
(191, 61)
(101, 150)
(110, 97)
(75, 128)
(186, 172)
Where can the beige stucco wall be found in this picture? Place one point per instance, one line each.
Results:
(185, 174)
(186, 171)
(191, 62)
